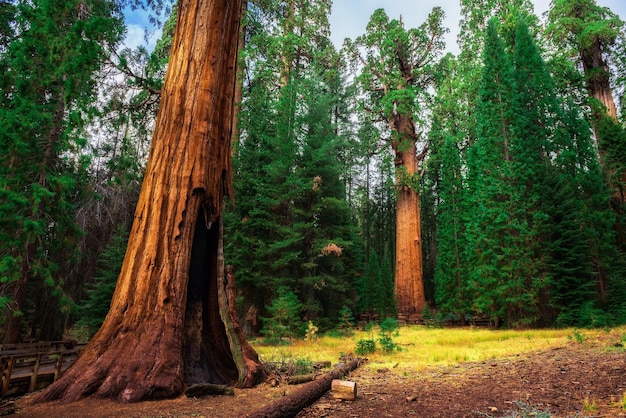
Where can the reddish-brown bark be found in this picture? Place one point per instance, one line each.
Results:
(239, 83)
(169, 323)
(598, 78)
(409, 285)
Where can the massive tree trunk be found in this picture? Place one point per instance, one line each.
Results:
(169, 324)
(397, 75)
(409, 283)
(239, 83)
(598, 78)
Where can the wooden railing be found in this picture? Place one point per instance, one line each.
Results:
(28, 367)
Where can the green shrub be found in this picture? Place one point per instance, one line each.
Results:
(577, 336)
(284, 364)
(364, 347)
(431, 318)
(284, 321)
(346, 322)
(388, 330)
(311, 332)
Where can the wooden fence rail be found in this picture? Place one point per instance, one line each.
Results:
(28, 367)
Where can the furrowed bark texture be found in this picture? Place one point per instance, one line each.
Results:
(409, 285)
(598, 77)
(169, 324)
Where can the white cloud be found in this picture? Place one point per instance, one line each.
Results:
(136, 36)
(137, 22)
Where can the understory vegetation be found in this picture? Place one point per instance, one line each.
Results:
(422, 347)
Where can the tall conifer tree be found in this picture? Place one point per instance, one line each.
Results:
(451, 274)
(291, 226)
(48, 85)
(397, 70)
(493, 228)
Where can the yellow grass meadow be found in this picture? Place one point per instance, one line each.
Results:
(423, 346)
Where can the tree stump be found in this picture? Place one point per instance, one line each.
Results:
(343, 389)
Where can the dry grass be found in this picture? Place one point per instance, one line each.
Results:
(422, 346)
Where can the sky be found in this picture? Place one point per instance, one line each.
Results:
(136, 23)
(349, 17)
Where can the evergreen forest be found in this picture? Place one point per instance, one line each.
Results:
(385, 178)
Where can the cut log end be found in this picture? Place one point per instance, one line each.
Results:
(344, 390)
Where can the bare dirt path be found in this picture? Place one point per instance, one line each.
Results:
(578, 380)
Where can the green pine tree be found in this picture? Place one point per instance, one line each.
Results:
(388, 306)
(292, 225)
(93, 310)
(451, 275)
(284, 319)
(48, 88)
(370, 287)
(493, 230)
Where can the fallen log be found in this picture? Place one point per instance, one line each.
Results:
(290, 405)
(301, 378)
(321, 365)
(205, 389)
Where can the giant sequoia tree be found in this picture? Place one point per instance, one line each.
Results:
(169, 324)
(397, 69)
(591, 33)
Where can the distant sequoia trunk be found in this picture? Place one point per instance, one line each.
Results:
(170, 324)
(598, 77)
(597, 72)
(409, 283)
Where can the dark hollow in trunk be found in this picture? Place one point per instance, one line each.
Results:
(206, 352)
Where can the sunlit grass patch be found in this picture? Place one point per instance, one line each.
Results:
(620, 403)
(589, 405)
(423, 346)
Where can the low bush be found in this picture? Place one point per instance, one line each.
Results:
(364, 347)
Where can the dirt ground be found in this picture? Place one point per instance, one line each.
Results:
(578, 380)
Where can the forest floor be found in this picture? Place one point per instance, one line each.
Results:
(577, 379)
